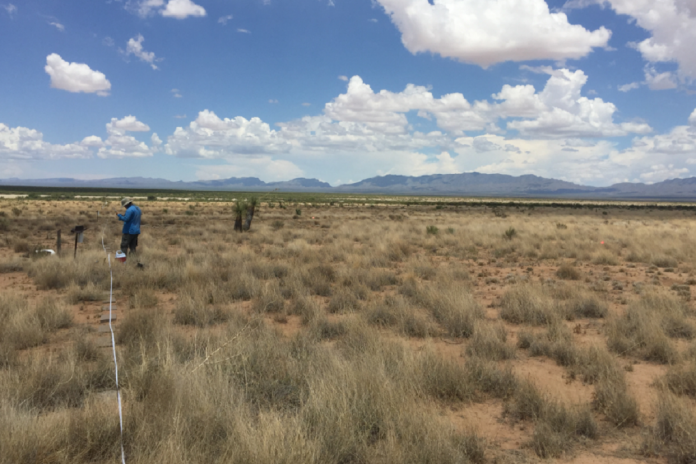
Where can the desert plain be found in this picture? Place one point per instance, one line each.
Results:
(341, 334)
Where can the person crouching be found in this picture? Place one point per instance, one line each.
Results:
(131, 226)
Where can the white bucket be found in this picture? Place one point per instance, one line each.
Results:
(120, 256)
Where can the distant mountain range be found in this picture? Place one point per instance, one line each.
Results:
(467, 184)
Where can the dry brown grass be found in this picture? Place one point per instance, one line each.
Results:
(353, 339)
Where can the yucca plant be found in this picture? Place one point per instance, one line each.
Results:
(250, 210)
(240, 207)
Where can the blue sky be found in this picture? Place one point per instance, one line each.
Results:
(590, 91)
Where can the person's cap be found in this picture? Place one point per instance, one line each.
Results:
(125, 201)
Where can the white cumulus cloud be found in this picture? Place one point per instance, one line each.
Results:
(629, 87)
(135, 47)
(672, 25)
(485, 32)
(75, 77)
(561, 110)
(121, 145)
(57, 25)
(659, 81)
(22, 143)
(181, 9)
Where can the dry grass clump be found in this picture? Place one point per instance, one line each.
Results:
(645, 328)
(568, 272)
(21, 246)
(11, 266)
(195, 307)
(490, 342)
(143, 298)
(306, 307)
(605, 258)
(48, 382)
(587, 306)
(674, 433)
(398, 312)
(612, 399)
(556, 343)
(343, 301)
(270, 299)
(76, 294)
(23, 326)
(53, 315)
(557, 427)
(140, 327)
(664, 261)
(489, 379)
(682, 380)
(453, 307)
(528, 304)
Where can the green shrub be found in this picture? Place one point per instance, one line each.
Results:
(510, 233)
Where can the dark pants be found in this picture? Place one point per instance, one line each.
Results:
(129, 242)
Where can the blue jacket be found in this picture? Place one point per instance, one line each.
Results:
(131, 219)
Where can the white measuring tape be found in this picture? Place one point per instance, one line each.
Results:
(113, 345)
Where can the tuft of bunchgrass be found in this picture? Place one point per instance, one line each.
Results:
(490, 342)
(527, 304)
